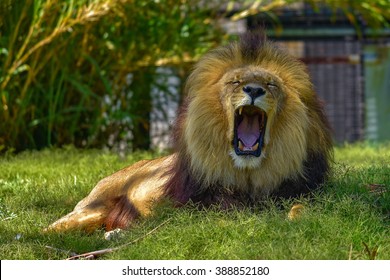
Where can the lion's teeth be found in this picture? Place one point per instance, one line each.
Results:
(240, 146)
(240, 111)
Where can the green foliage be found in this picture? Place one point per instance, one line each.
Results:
(348, 219)
(67, 66)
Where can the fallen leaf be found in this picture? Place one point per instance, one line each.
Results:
(295, 212)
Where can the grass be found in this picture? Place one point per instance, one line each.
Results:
(348, 219)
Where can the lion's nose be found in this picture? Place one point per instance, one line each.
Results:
(253, 91)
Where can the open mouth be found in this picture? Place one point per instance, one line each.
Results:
(249, 129)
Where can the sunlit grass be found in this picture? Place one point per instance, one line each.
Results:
(348, 216)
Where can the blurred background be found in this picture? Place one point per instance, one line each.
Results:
(109, 73)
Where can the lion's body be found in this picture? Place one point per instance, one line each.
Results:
(251, 127)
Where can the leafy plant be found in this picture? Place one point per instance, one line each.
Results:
(67, 66)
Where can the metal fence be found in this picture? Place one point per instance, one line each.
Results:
(336, 72)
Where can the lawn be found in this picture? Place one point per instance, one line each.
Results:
(348, 219)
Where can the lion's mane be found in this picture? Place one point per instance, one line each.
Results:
(297, 143)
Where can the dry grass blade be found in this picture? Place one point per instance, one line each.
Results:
(378, 189)
(256, 8)
(67, 252)
(372, 253)
(350, 252)
(95, 254)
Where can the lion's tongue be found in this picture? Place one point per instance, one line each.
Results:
(248, 131)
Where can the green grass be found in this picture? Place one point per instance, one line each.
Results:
(343, 221)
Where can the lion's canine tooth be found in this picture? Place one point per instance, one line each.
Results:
(255, 147)
(240, 145)
(240, 111)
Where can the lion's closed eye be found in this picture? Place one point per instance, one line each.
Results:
(272, 85)
(234, 82)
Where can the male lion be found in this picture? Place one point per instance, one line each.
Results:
(251, 127)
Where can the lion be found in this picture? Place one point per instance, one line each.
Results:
(251, 127)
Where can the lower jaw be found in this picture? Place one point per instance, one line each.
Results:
(245, 161)
(250, 153)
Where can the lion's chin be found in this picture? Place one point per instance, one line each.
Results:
(246, 162)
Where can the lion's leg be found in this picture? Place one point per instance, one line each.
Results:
(87, 219)
(119, 199)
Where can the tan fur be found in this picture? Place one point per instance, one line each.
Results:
(140, 183)
(295, 128)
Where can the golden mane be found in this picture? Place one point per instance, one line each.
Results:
(298, 141)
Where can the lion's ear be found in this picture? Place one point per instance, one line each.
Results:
(251, 42)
